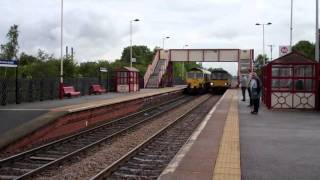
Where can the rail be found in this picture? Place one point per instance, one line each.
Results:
(116, 165)
(79, 142)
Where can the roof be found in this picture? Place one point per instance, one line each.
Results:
(199, 69)
(219, 70)
(128, 69)
(292, 58)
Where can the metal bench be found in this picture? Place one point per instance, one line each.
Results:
(97, 89)
(69, 91)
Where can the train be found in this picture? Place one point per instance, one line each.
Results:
(201, 81)
(198, 80)
(220, 80)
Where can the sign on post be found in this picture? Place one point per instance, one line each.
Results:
(283, 50)
(8, 63)
(133, 60)
(103, 69)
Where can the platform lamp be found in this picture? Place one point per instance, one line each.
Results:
(131, 22)
(317, 32)
(61, 55)
(163, 39)
(263, 46)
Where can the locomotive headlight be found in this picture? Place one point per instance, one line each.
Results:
(226, 84)
(211, 84)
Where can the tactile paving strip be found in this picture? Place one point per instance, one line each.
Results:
(227, 165)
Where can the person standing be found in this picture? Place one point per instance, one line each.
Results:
(249, 90)
(255, 88)
(243, 84)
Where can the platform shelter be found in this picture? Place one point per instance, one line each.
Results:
(291, 82)
(127, 79)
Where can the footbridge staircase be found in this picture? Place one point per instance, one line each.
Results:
(156, 74)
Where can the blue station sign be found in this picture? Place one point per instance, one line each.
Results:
(8, 63)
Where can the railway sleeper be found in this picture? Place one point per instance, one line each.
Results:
(8, 177)
(145, 165)
(137, 170)
(48, 155)
(118, 176)
(26, 165)
(137, 175)
(151, 155)
(42, 158)
(8, 171)
(15, 169)
(147, 160)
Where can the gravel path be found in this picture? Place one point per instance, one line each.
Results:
(96, 159)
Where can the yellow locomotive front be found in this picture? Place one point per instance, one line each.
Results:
(197, 80)
(220, 81)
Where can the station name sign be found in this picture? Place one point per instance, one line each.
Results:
(8, 63)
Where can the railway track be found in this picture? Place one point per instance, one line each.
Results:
(36, 160)
(150, 158)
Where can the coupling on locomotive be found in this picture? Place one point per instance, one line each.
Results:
(201, 81)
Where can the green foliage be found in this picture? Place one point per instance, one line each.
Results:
(258, 63)
(45, 65)
(142, 54)
(306, 48)
(180, 68)
(10, 49)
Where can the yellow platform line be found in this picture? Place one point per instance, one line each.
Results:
(227, 165)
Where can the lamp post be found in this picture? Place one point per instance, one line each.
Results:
(61, 54)
(271, 48)
(263, 46)
(163, 39)
(131, 22)
(317, 32)
(291, 28)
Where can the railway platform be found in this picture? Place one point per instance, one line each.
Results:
(33, 122)
(232, 144)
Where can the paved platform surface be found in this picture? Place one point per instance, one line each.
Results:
(279, 145)
(14, 115)
(210, 142)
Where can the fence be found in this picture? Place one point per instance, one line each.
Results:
(30, 90)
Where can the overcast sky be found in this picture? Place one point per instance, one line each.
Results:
(99, 29)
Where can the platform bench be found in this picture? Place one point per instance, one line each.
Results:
(69, 91)
(97, 89)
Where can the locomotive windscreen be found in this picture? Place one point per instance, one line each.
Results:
(220, 75)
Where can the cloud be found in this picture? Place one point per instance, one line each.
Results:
(100, 29)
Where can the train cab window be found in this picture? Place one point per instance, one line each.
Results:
(195, 75)
(219, 76)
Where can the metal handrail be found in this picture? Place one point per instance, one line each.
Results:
(151, 68)
(163, 69)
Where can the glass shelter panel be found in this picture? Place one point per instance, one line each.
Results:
(303, 71)
(281, 71)
(303, 85)
(282, 84)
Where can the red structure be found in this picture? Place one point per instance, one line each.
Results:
(127, 79)
(292, 82)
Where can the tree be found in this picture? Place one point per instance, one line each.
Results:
(142, 54)
(11, 48)
(258, 63)
(306, 48)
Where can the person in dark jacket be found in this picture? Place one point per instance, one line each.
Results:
(255, 88)
(249, 89)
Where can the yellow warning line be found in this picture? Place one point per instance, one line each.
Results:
(227, 165)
